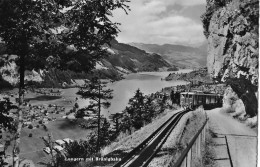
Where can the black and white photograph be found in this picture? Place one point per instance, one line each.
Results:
(129, 83)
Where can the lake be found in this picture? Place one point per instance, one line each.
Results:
(147, 82)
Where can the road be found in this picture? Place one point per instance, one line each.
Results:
(241, 140)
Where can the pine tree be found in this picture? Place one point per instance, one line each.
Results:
(95, 91)
(136, 109)
(172, 96)
(149, 109)
(162, 103)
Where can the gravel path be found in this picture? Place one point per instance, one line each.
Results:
(240, 139)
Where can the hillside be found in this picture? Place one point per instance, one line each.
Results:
(183, 56)
(134, 59)
(123, 59)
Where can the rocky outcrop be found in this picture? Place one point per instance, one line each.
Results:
(231, 28)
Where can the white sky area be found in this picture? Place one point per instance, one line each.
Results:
(161, 22)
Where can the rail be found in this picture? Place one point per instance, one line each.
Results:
(185, 159)
(149, 147)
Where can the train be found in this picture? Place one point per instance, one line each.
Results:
(194, 99)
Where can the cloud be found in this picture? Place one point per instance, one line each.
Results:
(165, 21)
(191, 2)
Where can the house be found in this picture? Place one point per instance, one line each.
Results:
(60, 143)
(59, 148)
(47, 150)
(67, 140)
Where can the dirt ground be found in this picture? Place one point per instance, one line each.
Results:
(239, 138)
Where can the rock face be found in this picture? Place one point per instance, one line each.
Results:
(231, 28)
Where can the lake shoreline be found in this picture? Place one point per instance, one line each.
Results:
(148, 82)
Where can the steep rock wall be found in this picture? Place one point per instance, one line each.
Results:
(231, 28)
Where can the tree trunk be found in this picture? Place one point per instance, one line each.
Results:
(99, 108)
(16, 149)
(251, 104)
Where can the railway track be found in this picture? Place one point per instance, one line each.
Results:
(142, 155)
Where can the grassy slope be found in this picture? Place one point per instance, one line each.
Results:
(180, 136)
(128, 143)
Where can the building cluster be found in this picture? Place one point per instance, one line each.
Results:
(40, 114)
(59, 146)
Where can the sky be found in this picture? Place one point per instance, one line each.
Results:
(161, 22)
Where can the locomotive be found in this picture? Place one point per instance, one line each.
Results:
(195, 99)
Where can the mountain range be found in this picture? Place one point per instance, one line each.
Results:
(179, 55)
(134, 59)
(123, 59)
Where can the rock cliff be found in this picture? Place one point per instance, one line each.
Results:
(231, 27)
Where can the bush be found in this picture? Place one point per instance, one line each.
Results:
(38, 126)
(30, 135)
(40, 122)
(30, 126)
(45, 127)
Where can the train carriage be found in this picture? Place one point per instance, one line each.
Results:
(195, 99)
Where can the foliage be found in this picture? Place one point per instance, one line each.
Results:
(55, 153)
(80, 113)
(4, 84)
(86, 148)
(162, 103)
(45, 127)
(130, 120)
(67, 34)
(6, 121)
(99, 96)
(175, 97)
(149, 109)
(7, 124)
(96, 92)
(136, 109)
(30, 126)
(56, 33)
(140, 111)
